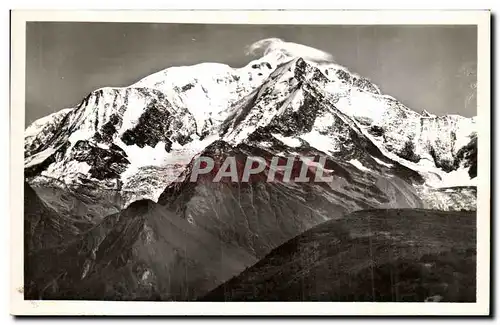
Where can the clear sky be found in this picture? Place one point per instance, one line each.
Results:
(425, 67)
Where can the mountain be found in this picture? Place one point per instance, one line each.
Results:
(372, 255)
(142, 253)
(129, 218)
(137, 140)
(45, 229)
(202, 233)
(43, 226)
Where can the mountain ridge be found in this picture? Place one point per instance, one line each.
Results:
(133, 125)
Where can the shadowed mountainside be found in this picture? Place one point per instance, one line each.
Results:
(371, 255)
(202, 233)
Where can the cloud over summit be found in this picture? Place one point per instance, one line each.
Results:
(268, 45)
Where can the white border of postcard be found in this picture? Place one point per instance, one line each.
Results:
(19, 306)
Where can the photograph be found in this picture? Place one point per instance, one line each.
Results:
(233, 158)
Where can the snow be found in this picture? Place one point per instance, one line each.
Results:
(135, 108)
(356, 163)
(214, 86)
(425, 114)
(362, 104)
(320, 141)
(102, 145)
(432, 175)
(289, 141)
(380, 162)
(464, 129)
(324, 122)
(297, 100)
(34, 128)
(181, 74)
(147, 156)
(265, 144)
(337, 88)
(38, 158)
(157, 156)
(66, 170)
(459, 177)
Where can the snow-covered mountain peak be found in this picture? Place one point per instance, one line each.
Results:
(144, 135)
(36, 125)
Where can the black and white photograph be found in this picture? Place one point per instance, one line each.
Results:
(248, 162)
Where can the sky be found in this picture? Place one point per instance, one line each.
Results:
(425, 67)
